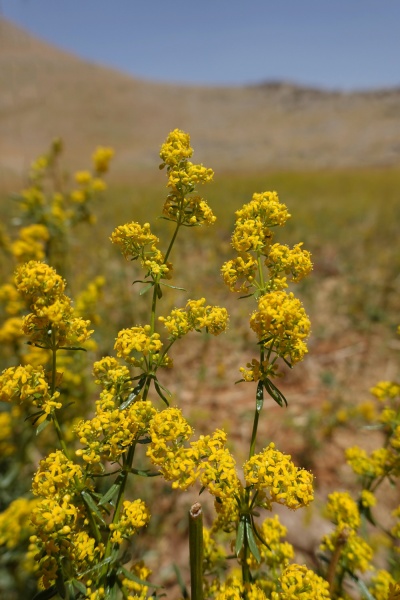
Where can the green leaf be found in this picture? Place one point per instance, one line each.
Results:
(134, 393)
(259, 397)
(173, 287)
(145, 440)
(79, 586)
(42, 426)
(60, 585)
(99, 565)
(145, 472)
(109, 495)
(146, 288)
(240, 537)
(136, 579)
(259, 536)
(363, 588)
(46, 594)
(72, 348)
(159, 292)
(181, 583)
(159, 392)
(274, 392)
(91, 505)
(252, 542)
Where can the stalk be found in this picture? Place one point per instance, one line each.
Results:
(196, 551)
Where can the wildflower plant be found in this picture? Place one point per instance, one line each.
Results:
(86, 511)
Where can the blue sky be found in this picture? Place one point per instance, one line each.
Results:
(334, 44)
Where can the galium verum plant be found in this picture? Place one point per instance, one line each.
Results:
(79, 533)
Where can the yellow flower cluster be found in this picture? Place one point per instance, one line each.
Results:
(111, 431)
(206, 460)
(137, 242)
(295, 262)
(253, 222)
(355, 553)
(239, 273)
(181, 206)
(299, 583)
(101, 159)
(386, 390)
(196, 315)
(7, 445)
(134, 516)
(134, 345)
(342, 510)
(11, 330)
(52, 323)
(55, 476)
(110, 374)
(234, 589)
(141, 572)
(282, 324)
(380, 585)
(86, 301)
(381, 462)
(15, 526)
(31, 243)
(274, 472)
(11, 299)
(28, 385)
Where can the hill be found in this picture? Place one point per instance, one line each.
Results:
(47, 93)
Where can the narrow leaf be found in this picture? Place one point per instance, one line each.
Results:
(364, 590)
(60, 585)
(42, 426)
(79, 586)
(181, 583)
(136, 579)
(134, 393)
(239, 537)
(99, 565)
(145, 440)
(159, 392)
(91, 505)
(259, 536)
(259, 397)
(146, 288)
(173, 287)
(252, 542)
(145, 473)
(109, 495)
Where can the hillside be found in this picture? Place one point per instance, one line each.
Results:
(46, 92)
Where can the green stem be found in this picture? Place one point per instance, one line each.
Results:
(260, 271)
(257, 412)
(254, 433)
(196, 551)
(168, 252)
(118, 507)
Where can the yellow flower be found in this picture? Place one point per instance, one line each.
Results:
(273, 471)
(136, 341)
(134, 516)
(299, 583)
(282, 323)
(102, 158)
(342, 510)
(294, 262)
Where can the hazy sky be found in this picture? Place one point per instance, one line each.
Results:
(336, 44)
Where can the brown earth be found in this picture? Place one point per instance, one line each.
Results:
(46, 92)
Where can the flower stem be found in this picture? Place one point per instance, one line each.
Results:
(196, 551)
